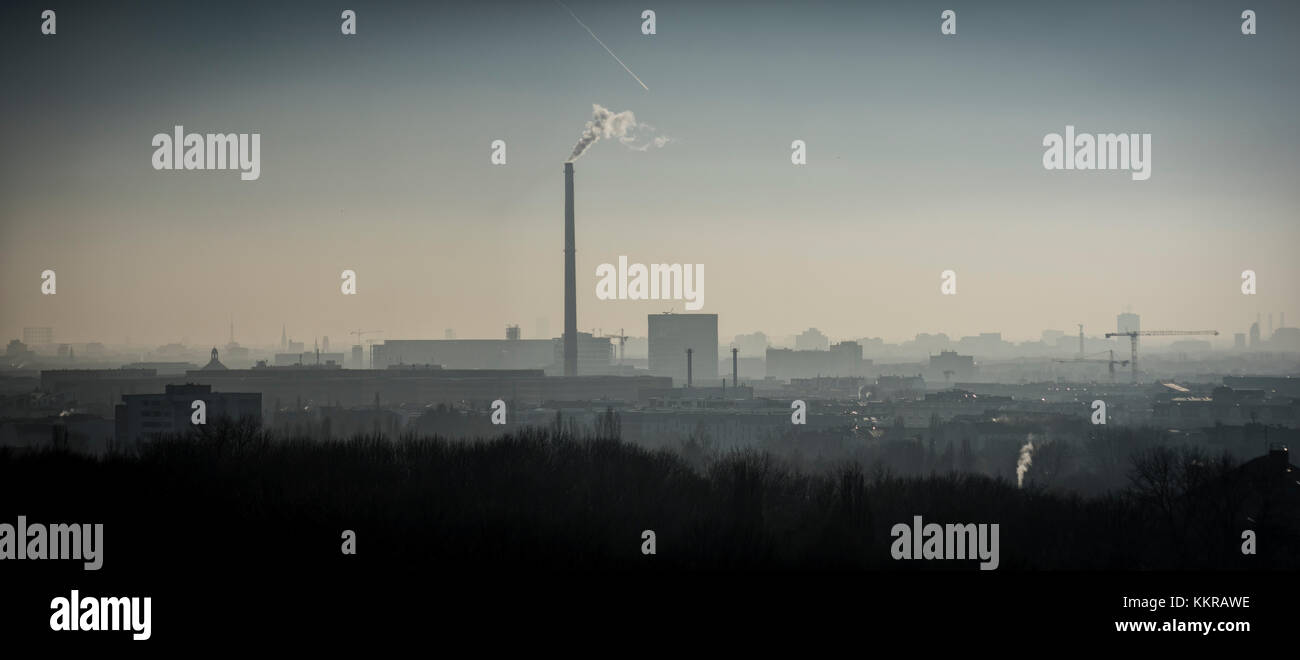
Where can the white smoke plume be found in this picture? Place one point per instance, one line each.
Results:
(1026, 459)
(605, 125)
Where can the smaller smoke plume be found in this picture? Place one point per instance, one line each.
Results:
(623, 126)
(1026, 459)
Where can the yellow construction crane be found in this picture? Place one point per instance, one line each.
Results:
(1133, 341)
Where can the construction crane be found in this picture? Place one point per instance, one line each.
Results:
(1133, 341)
(358, 332)
(1110, 364)
(622, 343)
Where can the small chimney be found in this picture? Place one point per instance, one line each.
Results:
(688, 367)
(735, 382)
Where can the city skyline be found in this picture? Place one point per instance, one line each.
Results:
(329, 321)
(1269, 322)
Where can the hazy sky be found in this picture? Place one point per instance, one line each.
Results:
(924, 154)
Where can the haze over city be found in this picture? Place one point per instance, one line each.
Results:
(328, 321)
(376, 159)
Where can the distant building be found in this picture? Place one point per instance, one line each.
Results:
(357, 358)
(214, 364)
(843, 359)
(164, 368)
(751, 345)
(1286, 339)
(143, 416)
(985, 344)
(307, 358)
(1254, 334)
(811, 339)
(1239, 341)
(17, 351)
(951, 367)
(38, 336)
(669, 337)
(594, 354)
(928, 342)
(896, 388)
(1128, 322)
(465, 353)
(871, 345)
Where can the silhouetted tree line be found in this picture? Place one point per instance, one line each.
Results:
(569, 498)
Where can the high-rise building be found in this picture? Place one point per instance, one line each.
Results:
(948, 366)
(1128, 322)
(751, 345)
(1254, 334)
(356, 358)
(669, 337)
(1239, 340)
(38, 336)
(811, 339)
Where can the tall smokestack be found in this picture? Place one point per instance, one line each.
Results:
(570, 280)
(688, 367)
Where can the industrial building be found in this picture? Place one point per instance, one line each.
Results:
(671, 335)
(594, 354)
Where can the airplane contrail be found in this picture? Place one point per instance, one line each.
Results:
(602, 44)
